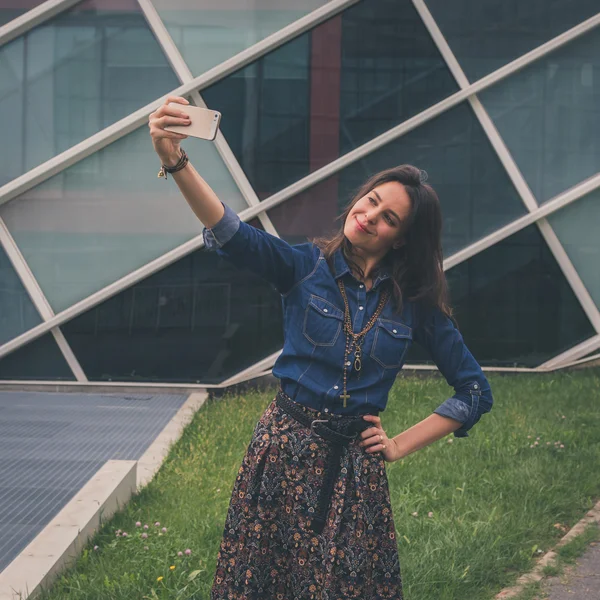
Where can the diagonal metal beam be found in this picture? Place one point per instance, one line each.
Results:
(196, 243)
(140, 117)
(572, 354)
(185, 75)
(32, 18)
(37, 297)
(511, 168)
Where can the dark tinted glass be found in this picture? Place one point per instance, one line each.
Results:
(577, 228)
(17, 312)
(513, 304)
(15, 9)
(198, 320)
(329, 91)
(549, 116)
(74, 75)
(475, 192)
(39, 360)
(484, 35)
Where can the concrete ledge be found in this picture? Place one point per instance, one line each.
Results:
(152, 459)
(61, 541)
(537, 573)
(102, 387)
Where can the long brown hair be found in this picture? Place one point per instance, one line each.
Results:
(417, 266)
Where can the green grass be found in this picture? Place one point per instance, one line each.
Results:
(494, 499)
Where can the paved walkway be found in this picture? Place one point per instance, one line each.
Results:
(51, 444)
(580, 581)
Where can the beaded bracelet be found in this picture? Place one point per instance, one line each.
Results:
(183, 160)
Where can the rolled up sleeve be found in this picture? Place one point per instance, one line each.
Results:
(217, 236)
(438, 335)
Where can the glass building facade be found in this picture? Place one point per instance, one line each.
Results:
(103, 273)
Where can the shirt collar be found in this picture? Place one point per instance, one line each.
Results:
(340, 267)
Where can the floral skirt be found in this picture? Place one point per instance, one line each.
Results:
(269, 551)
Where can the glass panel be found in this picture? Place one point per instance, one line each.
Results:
(38, 360)
(475, 193)
(513, 304)
(108, 215)
(576, 226)
(74, 75)
(198, 320)
(329, 91)
(17, 312)
(10, 10)
(208, 33)
(549, 116)
(484, 35)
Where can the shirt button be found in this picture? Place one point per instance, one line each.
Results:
(395, 330)
(325, 410)
(335, 387)
(360, 308)
(475, 386)
(348, 363)
(361, 286)
(325, 310)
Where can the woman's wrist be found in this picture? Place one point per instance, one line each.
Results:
(172, 160)
(399, 454)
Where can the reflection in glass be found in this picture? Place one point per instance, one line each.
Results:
(39, 360)
(108, 215)
(549, 116)
(484, 35)
(208, 33)
(198, 320)
(475, 192)
(577, 227)
(513, 305)
(74, 75)
(17, 312)
(329, 91)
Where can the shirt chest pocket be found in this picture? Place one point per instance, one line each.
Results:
(391, 342)
(322, 322)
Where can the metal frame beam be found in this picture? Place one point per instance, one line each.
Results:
(37, 297)
(511, 168)
(136, 119)
(185, 75)
(32, 18)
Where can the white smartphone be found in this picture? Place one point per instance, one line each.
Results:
(204, 122)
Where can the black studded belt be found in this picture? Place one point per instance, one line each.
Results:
(339, 432)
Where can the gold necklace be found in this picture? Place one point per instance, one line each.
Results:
(357, 338)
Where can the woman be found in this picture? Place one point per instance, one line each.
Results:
(310, 514)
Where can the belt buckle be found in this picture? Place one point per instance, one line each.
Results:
(312, 425)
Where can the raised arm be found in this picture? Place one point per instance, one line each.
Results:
(443, 341)
(199, 195)
(243, 245)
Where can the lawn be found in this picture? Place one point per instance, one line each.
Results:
(471, 513)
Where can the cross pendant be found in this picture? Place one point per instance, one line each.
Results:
(345, 397)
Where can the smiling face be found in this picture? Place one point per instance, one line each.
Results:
(376, 222)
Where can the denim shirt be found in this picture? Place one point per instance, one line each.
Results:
(310, 367)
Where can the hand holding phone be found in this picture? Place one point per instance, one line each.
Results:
(204, 122)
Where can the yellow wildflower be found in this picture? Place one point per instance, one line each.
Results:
(159, 578)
